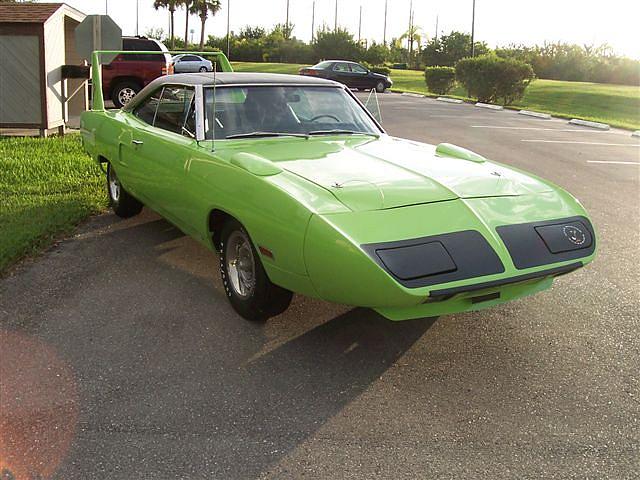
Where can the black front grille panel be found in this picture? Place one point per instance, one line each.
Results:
(541, 243)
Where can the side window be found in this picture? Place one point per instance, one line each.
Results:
(147, 110)
(357, 68)
(190, 58)
(341, 67)
(174, 110)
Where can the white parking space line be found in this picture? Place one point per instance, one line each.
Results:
(613, 162)
(539, 128)
(568, 142)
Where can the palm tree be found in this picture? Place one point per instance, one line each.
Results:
(187, 7)
(203, 8)
(171, 5)
(413, 35)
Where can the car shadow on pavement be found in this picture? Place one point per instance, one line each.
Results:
(287, 394)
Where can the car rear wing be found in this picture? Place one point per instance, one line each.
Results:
(96, 70)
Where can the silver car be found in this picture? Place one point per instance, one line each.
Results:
(188, 63)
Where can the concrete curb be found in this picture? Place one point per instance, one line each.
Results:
(449, 100)
(489, 106)
(636, 133)
(529, 113)
(409, 94)
(586, 123)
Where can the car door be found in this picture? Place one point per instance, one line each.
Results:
(193, 63)
(342, 73)
(130, 146)
(360, 76)
(161, 150)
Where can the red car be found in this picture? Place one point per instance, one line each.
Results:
(123, 78)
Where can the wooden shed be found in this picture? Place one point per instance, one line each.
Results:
(36, 40)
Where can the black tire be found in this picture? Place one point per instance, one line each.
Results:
(380, 87)
(260, 299)
(121, 202)
(204, 69)
(123, 92)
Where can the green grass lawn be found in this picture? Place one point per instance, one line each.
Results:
(618, 105)
(47, 186)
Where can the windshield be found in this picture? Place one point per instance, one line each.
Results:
(261, 110)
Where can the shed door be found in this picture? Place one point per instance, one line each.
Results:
(20, 80)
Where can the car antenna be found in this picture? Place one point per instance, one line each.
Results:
(213, 140)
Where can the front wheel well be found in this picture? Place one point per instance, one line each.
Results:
(217, 219)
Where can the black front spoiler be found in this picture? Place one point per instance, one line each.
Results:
(446, 293)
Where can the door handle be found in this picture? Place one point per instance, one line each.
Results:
(137, 142)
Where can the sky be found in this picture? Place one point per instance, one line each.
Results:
(498, 22)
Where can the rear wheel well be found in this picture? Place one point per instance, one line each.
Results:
(217, 219)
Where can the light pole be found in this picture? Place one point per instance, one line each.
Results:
(360, 26)
(473, 30)
(386, 5)
(137, 18)
(286, 25)
(228, 28)
(106, 7)
(313, 21)
(409, 33)
(335, 25)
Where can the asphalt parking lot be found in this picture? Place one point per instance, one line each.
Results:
(126, 361)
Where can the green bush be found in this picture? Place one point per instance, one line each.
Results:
(440, 80)
(381, 69)
(491, 79)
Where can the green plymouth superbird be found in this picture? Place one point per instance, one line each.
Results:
(300, 189)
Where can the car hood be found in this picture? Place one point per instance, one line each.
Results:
(374, 174)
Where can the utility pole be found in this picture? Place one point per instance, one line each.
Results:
(473, 30)
(386, 5)
(228, 28)
(138, 17)
(335, 25)
(360, 26)
(106, 7)
(313, 21)
(437, 18)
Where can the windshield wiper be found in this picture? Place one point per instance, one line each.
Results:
(266, 134)
(340, 132)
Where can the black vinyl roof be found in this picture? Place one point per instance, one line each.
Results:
(235, 78)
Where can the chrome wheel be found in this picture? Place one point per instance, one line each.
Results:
(114, 186)
(125, 95)
(241, 266)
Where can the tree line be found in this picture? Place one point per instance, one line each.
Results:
(557, 61)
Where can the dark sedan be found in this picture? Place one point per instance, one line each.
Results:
(351, 74)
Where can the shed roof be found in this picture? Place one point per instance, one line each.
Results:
(32, 12)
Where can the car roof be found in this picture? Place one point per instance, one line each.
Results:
(340, 61)
(229, 78)
(240, 78)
